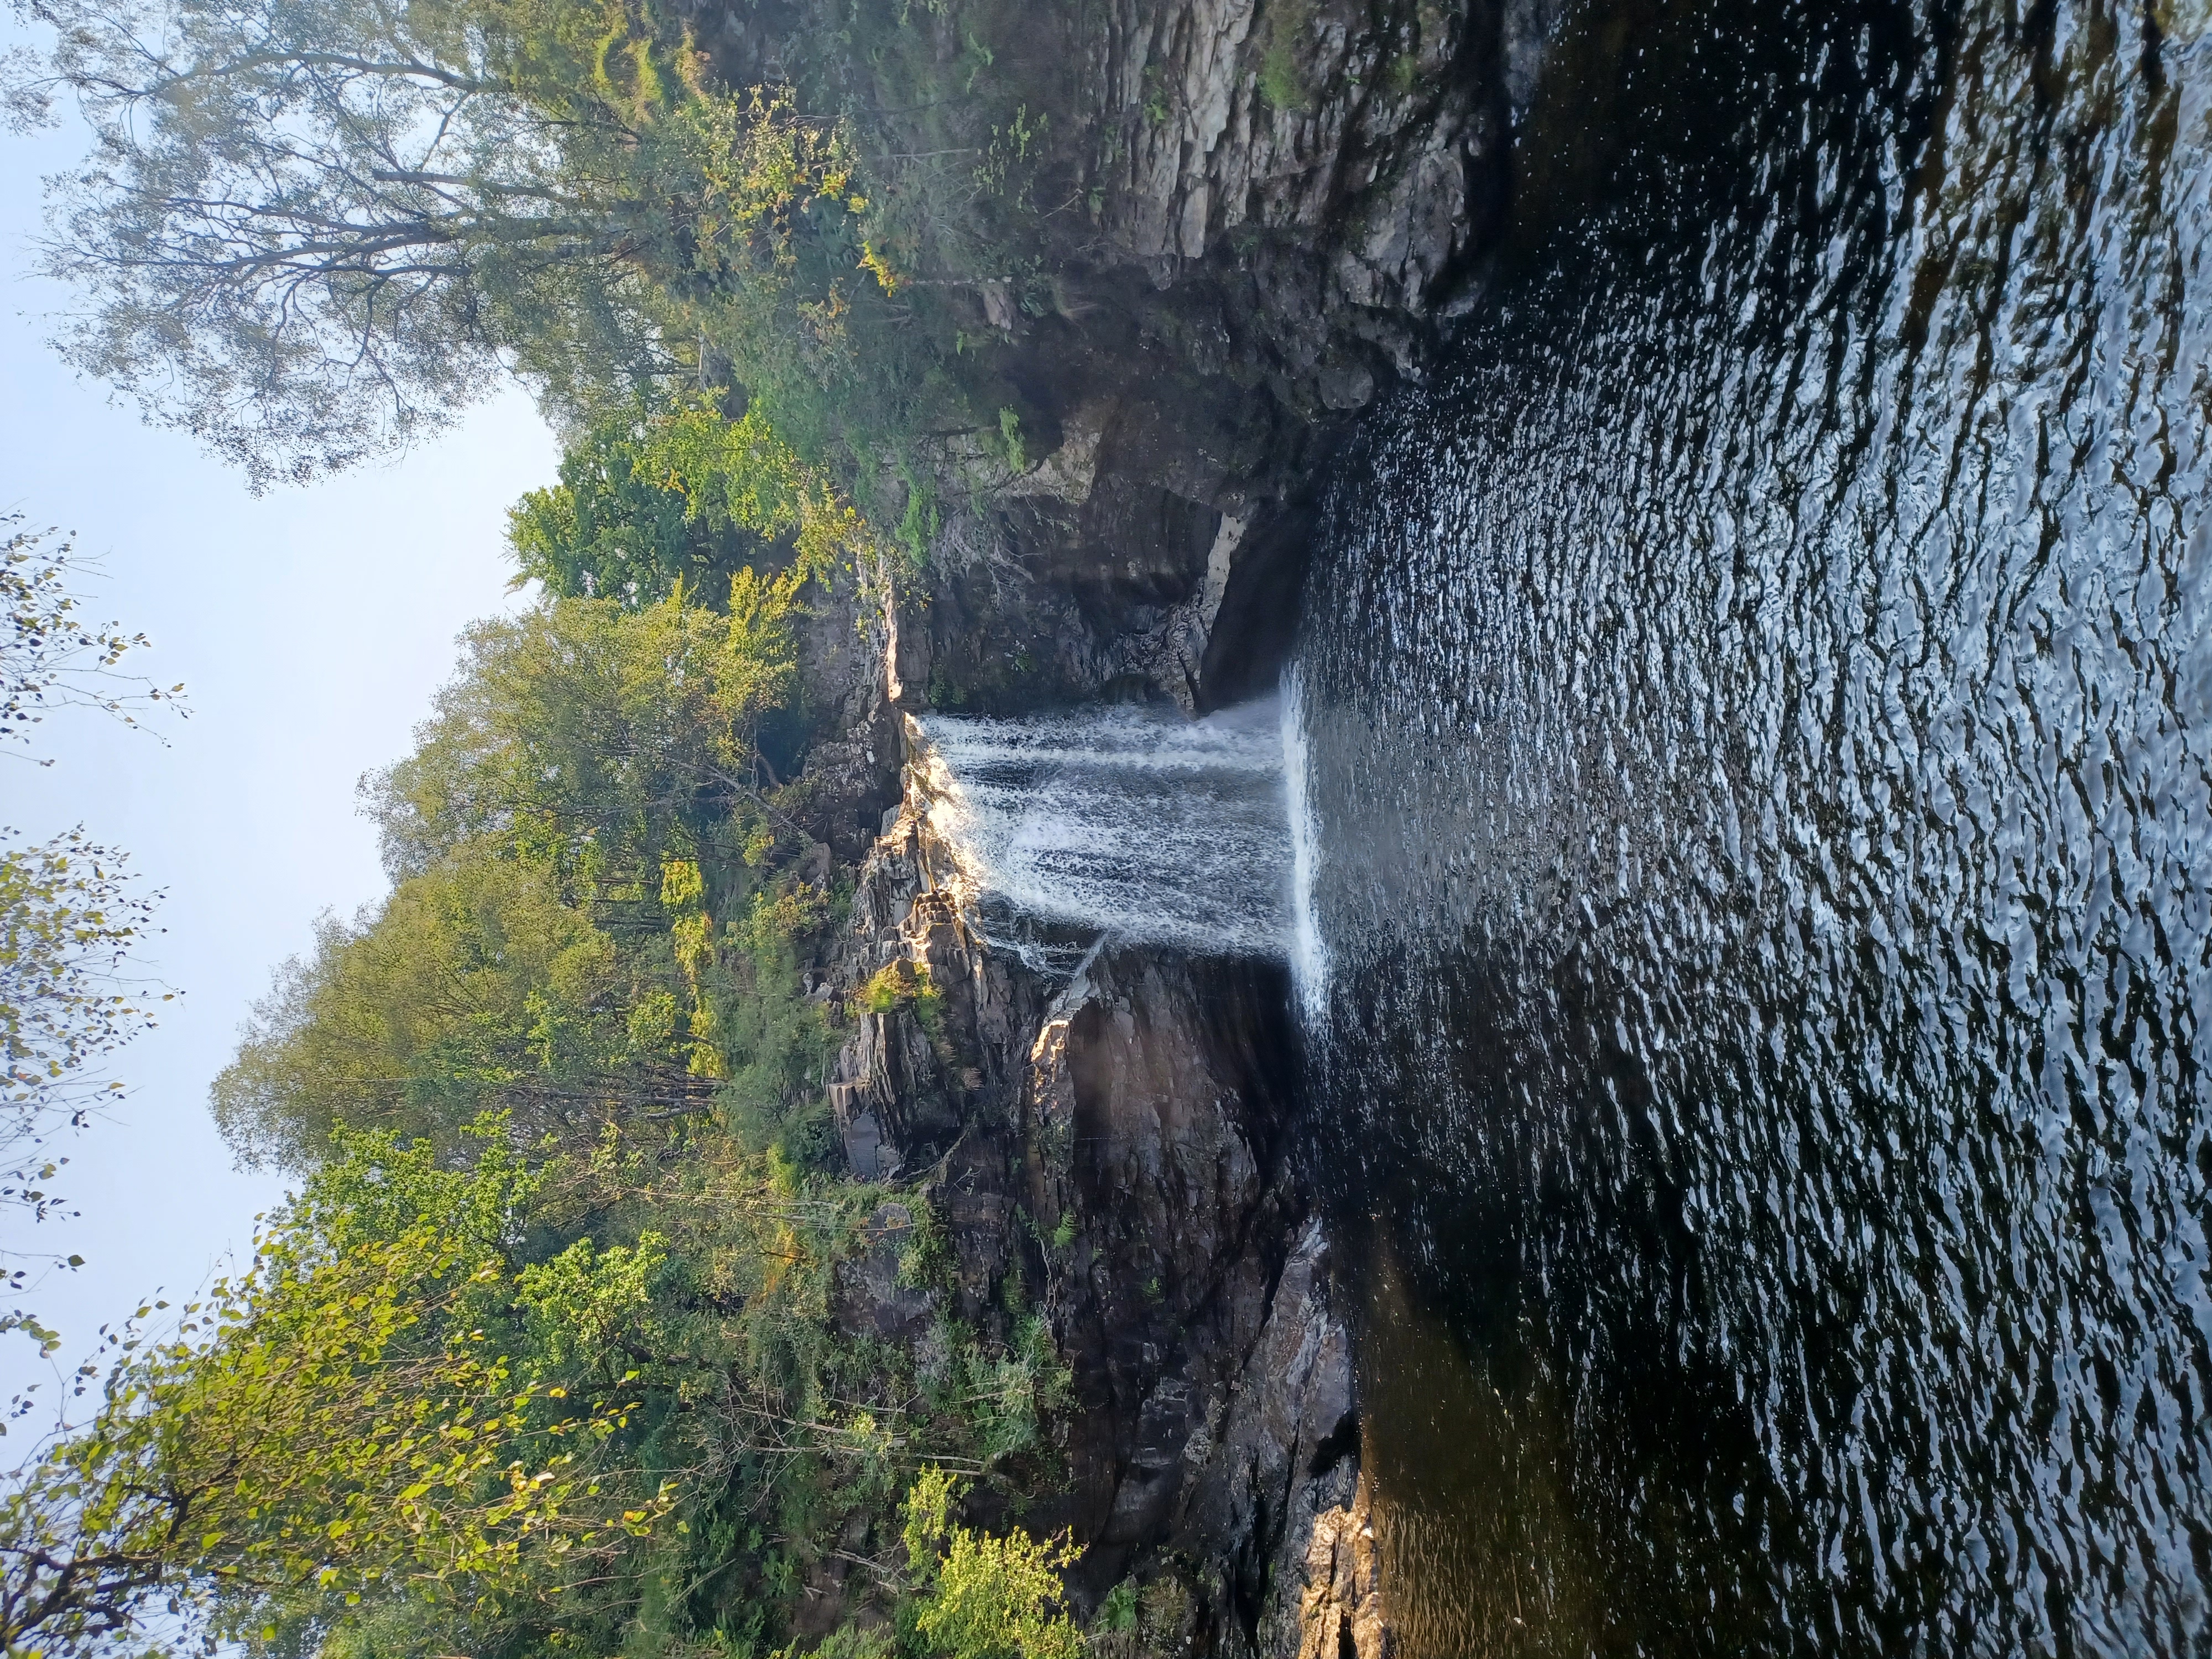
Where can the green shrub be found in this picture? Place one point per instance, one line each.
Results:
(981, 1597)
(1280, 82)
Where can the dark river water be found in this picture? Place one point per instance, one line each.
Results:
(1757, 710)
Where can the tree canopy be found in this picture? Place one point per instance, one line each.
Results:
(546, 1356)
(596, 737)
(986, 1597)
(361, 1411)
(310, 231)
(52, 655)
(69, 923)
(649, 500)
(314, 231)
(473, 987)
(580, 806)
(72, 921)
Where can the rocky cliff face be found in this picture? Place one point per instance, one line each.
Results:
(1111, 1145)
(1274, 208)
(1286, 199)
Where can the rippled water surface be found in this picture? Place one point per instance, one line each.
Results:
(1757, 713)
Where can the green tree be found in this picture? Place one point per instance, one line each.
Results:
(600, 739)
(592, 1402)
(357, 1415)
(985, 1597)
(50, 656)
(595, 904)
(70, 919)
(481, 1398)
(312, 231)
(614, 526)
(594, 928)
(70, 922)
(649, 502)
(475, 987)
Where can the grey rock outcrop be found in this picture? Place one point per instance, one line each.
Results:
(1116, 1140)
(1283, 205)
(1338, 1587)
(1285, 1468)
(1317, 172)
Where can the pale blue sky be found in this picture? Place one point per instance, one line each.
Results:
(310, 628)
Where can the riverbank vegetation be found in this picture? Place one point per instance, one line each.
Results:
(545, 1354)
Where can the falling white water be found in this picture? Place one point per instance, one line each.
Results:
(1308, 955)
(1155, 829)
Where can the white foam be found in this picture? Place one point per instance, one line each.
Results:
(1309, 953)
(1162, 831)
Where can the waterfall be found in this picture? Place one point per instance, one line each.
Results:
(1159, 829)
(1308, 953)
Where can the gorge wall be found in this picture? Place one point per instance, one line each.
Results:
(1288, 202)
